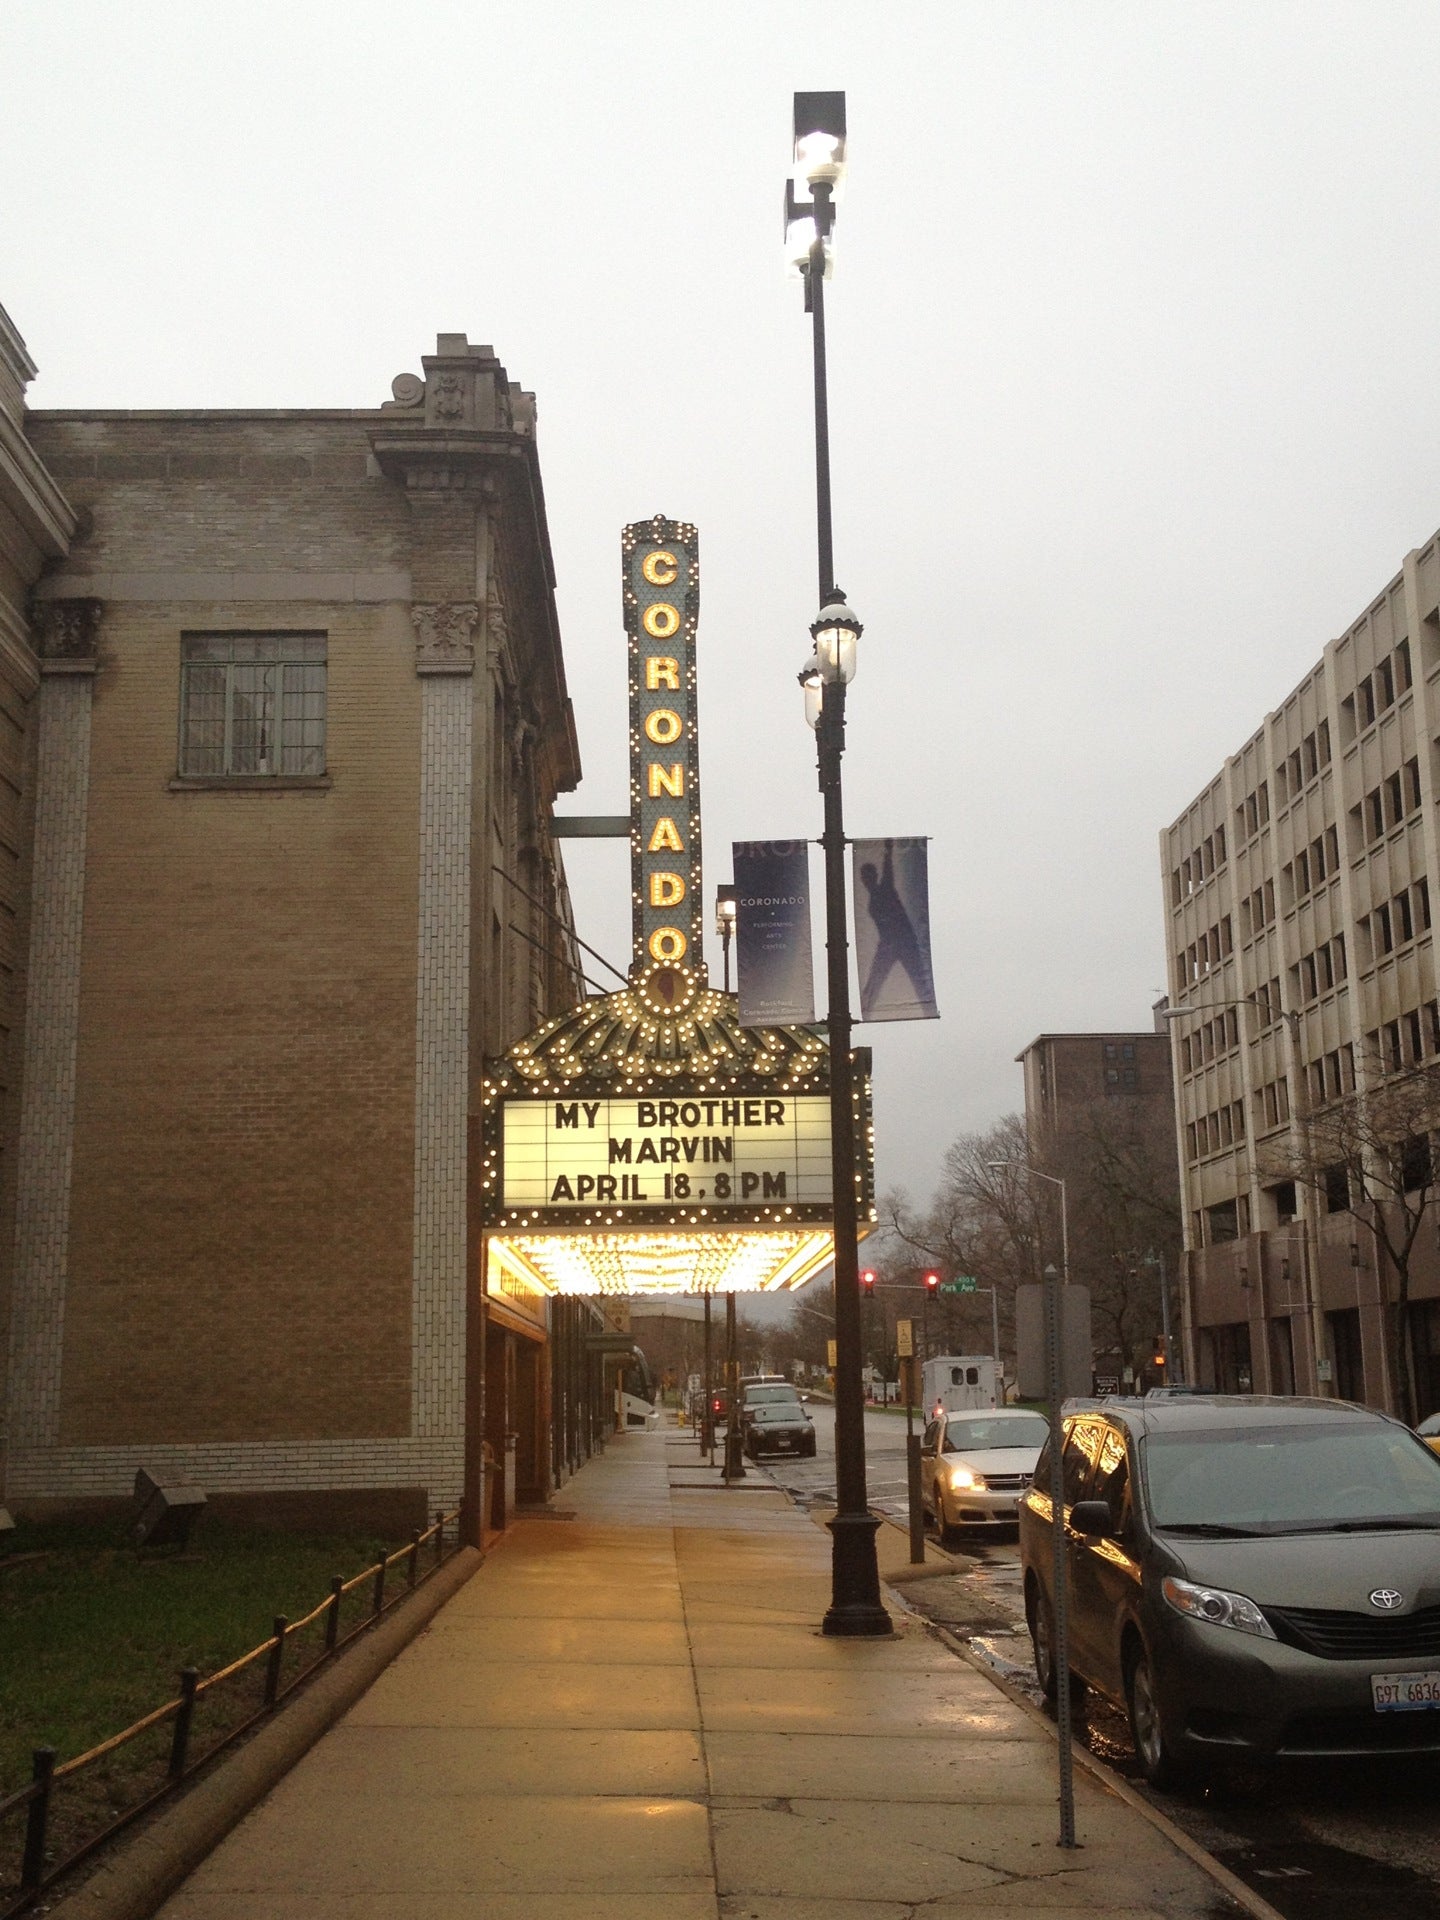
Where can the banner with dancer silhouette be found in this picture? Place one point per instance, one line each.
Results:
(774, 967)
(892, 930)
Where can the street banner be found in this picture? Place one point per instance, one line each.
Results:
(892, 930)
(774, 969)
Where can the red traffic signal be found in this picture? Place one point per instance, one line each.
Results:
(867, 1279)
(932, 1281)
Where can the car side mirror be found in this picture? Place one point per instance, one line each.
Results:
(1092, 1517)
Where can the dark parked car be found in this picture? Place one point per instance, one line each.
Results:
(1248, 1577)
(778, 1426)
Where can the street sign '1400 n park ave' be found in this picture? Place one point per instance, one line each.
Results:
(718, 1151)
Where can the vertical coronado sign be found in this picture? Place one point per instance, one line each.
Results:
(661, 567)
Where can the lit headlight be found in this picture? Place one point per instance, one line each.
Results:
(964, 1477)
(1214, 1605)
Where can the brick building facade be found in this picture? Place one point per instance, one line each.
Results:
(297, 716)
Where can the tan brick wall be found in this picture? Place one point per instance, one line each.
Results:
(242, 1204)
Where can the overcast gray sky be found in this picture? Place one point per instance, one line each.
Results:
(1134, 383)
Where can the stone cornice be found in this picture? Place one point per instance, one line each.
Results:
(36, 501)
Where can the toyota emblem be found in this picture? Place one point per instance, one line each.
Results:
(1387, 1599)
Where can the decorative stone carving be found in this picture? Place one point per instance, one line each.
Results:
(66, 634)
(449, 397)
(444, 637)
(408, 389)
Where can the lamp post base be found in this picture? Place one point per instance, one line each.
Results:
(856, 1609)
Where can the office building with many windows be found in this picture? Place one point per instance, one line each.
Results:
(1303, 988)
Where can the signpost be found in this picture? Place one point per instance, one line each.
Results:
(962, 1283)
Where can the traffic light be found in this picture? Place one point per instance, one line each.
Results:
(1161, 1359)
(867, 1279)
(932, 1281)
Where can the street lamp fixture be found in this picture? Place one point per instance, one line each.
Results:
(835, 634)
(1025, 1166)
(813, 687)
(855, 1604)
(725, 924)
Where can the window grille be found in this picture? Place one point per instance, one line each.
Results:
(252, 704)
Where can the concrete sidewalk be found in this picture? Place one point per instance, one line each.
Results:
(629, 1713)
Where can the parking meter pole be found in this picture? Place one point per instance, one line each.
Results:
(1060, 1651)
(734, 1456)
(912, 1478)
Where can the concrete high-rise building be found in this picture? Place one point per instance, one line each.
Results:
(1302, 973)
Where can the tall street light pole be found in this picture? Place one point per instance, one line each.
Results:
(1055, 1181)
(855, 1604)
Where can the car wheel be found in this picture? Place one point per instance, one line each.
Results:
(1041, 1621)
(1153, 1750)
(943, 1529)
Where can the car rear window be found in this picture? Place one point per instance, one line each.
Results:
(1291, 1478)
(762, 1396)
(779, 1413)
(979, 1436)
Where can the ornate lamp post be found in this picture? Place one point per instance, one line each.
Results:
(819, 161)
(725, 924)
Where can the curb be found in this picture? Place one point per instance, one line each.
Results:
(143, 1872)
(1245, 1897)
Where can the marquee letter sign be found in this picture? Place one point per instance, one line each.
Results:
(662, 601)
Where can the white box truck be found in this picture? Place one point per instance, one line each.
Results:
(960, 1383)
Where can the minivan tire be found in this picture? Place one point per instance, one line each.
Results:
(1153, 1751)
(1041, 1622)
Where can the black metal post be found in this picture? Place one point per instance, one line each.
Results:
(855, 1604)
(1060, 1636)
(276, 1660)
(184, 1720)
(734, 1453)
(912, 1480)
(37, 1818)
(332, 1613)
(707, 1417)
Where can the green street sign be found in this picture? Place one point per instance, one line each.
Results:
(962, 1283)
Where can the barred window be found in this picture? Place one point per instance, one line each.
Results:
(252, 704)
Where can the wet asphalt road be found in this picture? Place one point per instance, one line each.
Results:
(1352, 1841)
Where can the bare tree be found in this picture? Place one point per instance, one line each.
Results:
(1372, 1154)
(982, 1221)
(1122, 1178)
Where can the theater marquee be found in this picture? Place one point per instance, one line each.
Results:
(718, 1154)
(644, 1141)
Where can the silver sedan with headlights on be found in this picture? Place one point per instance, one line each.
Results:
(1249, 1578)
(974, 1467)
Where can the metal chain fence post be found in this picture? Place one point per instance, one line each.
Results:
(184, 1717)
